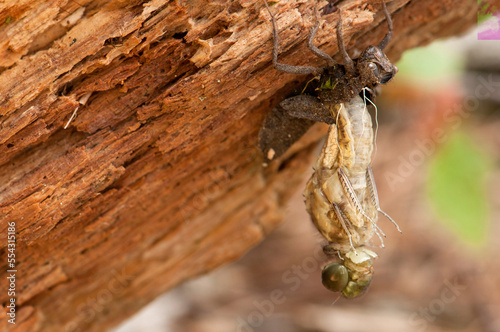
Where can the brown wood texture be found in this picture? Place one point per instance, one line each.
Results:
(158, 178)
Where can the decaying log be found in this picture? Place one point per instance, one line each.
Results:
(157, 179)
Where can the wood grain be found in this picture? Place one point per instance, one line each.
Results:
(158, 178)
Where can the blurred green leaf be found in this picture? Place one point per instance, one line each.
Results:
(457, 190)
(481, 18)
(427, 63)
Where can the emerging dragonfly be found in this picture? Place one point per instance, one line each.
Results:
(341, 196)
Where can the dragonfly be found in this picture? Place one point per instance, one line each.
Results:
(341, 195)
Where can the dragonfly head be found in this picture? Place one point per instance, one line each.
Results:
(374, 66)
(352, 276)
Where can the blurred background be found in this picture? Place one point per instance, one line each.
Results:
(436, 167)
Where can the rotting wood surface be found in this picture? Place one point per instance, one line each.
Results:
(158, 178)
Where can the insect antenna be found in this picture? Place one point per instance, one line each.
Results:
(388, 36)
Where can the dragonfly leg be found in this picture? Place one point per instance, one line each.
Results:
(348, 63)
(382, 245)
(370, 180)
(343, 222)
(353, 198)
(388, 36)
(299, 70)
(319, 53)
(350, 193)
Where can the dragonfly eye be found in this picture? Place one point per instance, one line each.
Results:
(335, 277)
(375, 69)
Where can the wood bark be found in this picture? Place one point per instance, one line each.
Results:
(157, 179)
